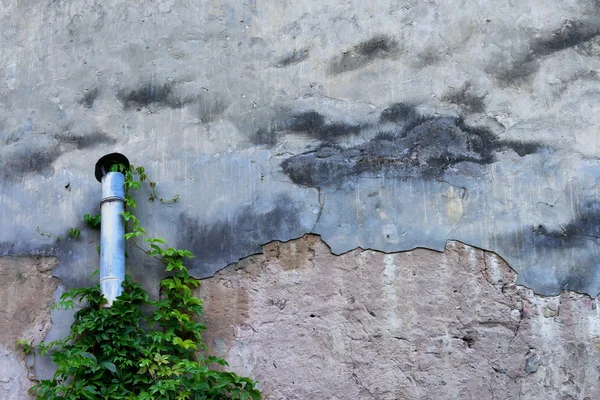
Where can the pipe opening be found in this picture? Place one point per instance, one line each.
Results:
(105, 163)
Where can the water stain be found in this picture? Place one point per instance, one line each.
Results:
(15, 165)
(518, 68)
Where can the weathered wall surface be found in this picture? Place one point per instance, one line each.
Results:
(26, 295)
(417, 325)
(377, 124)
(385, 125)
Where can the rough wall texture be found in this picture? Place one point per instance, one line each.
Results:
(377, 124)
(26, 295)
(388, 125)
(417, 325)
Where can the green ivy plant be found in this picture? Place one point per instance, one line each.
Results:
(140, 348)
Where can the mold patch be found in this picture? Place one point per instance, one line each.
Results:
(151, 94)
(293, 58)
(224, 242)
(414, 147)
(378, 47)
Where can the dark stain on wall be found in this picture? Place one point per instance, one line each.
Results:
(542, 243)
(516, 71)
(293, 58)
(20, 159)
(518, 68)
(415, 146)
(224, 242)
(579, 231)
(265, 136)
(312, 123)
(466, 98)
(89, 96)
(84, 141)
(571, 34)
(399, 113)
(378, 47)
(152, 94)
(210, 108)
(19, 163)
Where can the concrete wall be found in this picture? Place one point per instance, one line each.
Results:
(382, 125)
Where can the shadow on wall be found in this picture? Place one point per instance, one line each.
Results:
(223, 242)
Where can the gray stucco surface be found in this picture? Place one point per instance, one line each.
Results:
(386, 125)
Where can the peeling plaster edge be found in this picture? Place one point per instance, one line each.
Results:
(363, 249)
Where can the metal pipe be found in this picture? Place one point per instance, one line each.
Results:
(112, 227)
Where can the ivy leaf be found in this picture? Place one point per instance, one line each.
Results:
(89, 355)
(109, 366)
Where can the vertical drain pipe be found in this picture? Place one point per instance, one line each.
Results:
(112, 226)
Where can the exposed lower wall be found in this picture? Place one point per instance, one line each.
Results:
(308, 324)
(26, 296)
(414, 325)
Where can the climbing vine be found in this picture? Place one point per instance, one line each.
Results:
(140, 348)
